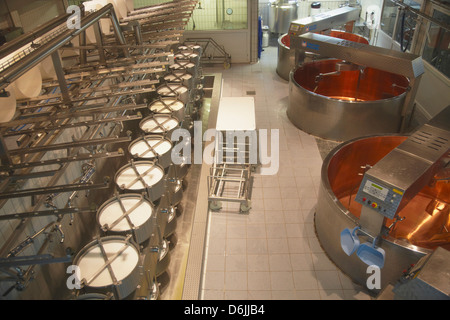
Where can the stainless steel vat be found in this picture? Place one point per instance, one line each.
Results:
(110, 264)
(286, 60)
(174, 185)
(168, 105)
(163, 258)
(160, 124)
(141, 176)
(180, 76)
(127, 214)
(185, 65)
(167, 215)
(152, 147)
(423, 229)
(187, 55)
(174, 90)
(345, 105)
(281, 13)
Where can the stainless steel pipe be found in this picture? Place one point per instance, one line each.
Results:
(12, 73)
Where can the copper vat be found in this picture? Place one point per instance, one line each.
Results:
(286, 59)
(425, 223)
(355, 102)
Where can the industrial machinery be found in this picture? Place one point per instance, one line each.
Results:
(281, 13)
(286, 60)
(427, 279)
(349, 112)
(390, 192)
(323, 22)
(99, 104)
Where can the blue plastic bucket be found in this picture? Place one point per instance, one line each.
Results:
(349, 240)
(371, 255)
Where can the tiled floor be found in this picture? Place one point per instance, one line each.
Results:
(273, 252)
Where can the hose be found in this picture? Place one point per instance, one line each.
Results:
(402, 33)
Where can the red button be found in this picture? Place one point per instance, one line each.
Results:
(364, 199)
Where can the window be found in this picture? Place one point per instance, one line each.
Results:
(436, 49)
(402, 23)
(406, 25)
(388, 17)
(219, 15)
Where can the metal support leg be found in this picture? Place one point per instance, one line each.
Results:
(56, 58)
(99, 39)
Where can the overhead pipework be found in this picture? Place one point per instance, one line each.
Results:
(61, 144)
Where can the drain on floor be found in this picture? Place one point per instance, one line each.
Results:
(251, 93)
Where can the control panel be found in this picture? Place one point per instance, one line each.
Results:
(383, 199)
(325, 20)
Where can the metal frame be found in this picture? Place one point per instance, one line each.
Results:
(227, 172)
(132, 56)
(222, 181)
(223, 56)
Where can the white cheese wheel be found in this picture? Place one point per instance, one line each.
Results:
(8, 105)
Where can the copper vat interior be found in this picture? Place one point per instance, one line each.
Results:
(426, 220)
(369, 85)
(286, 40)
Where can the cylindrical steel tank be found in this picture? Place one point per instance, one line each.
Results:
(187, 55)
(127, 213)
(141, 176)
(180, 76)
(281, 13)
(120, 275)
(191, 47)
(175, 90)
(168, 105)
(160, 123)
(425, 221)
(152, 147)
(341, 105)
(286, 60)
(184, 65)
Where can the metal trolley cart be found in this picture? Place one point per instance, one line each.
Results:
(235, 154)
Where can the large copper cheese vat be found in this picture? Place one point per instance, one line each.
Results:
(342, 105)
(286, 61)
(423, 225)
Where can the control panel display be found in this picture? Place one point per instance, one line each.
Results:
(382, 199)
(376, 190)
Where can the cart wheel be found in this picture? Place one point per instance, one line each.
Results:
(215, 205)
(245, 207)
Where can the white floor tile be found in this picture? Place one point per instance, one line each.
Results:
(273, 252)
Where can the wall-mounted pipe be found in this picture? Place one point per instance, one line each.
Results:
(12, 73)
